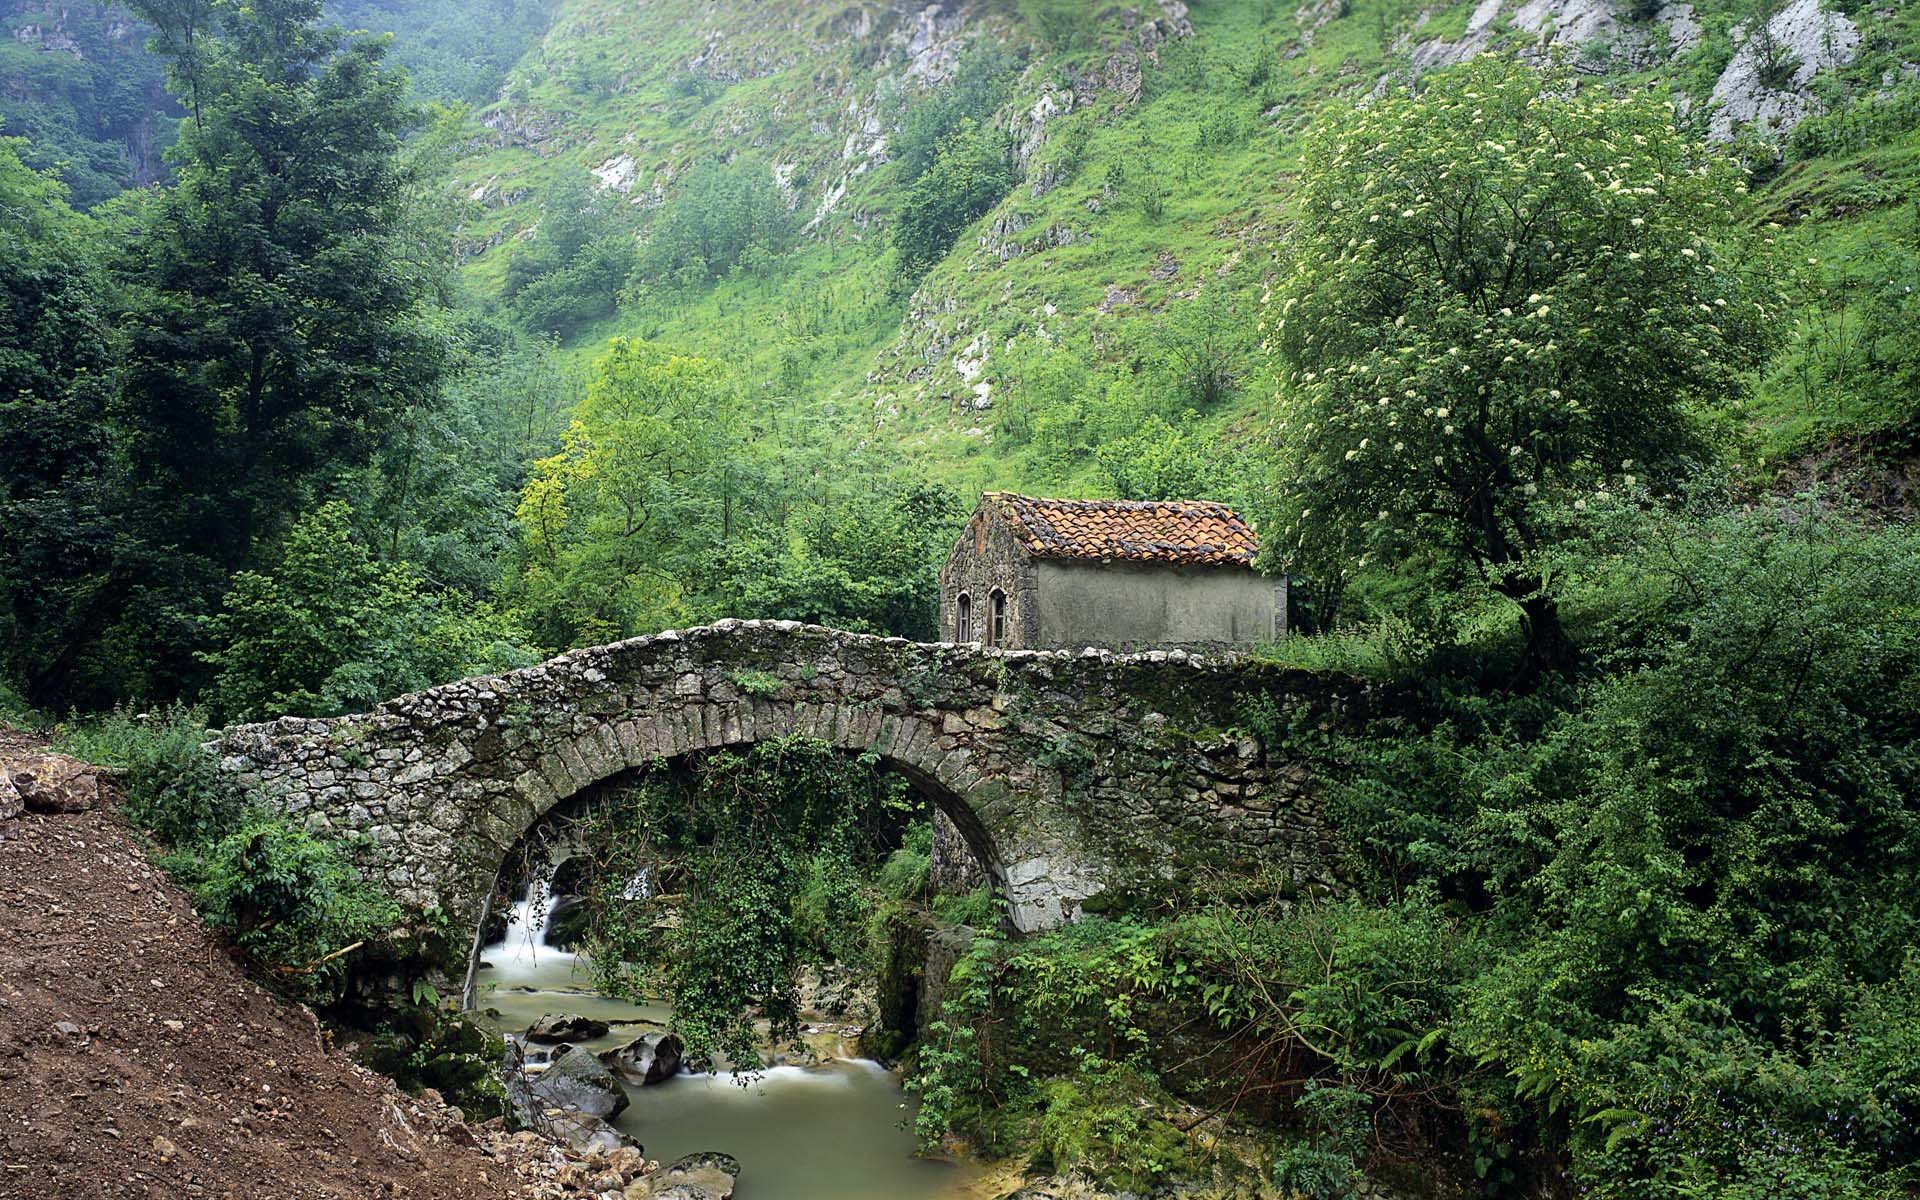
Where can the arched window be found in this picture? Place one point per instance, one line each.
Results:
(963, 618)
(996, 618)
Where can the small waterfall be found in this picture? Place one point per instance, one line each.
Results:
(524, 956)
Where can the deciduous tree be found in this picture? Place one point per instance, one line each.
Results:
(639, 500)
(1505, 294)
(56, 372)
(274, 301)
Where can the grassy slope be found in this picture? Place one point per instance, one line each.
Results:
(791, 82)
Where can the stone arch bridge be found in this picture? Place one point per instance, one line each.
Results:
(1069, 774)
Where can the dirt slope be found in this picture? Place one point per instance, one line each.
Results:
(137, 1059)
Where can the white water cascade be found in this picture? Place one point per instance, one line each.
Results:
(523, 958)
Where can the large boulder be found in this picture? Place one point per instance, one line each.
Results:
(708, 1175)
(553, 1028)
(47, 783)
(579, 1082)
(647, 1059)
(569, 1098)
(567, 922)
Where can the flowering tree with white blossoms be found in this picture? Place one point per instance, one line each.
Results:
(1505, 294)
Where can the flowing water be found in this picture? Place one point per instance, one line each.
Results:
(834, 1132)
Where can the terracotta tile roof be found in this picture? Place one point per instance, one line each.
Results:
(1181, 532)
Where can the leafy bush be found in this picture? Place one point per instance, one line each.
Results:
(1692, 877)
(905, 874)
(1061, 1037)
(174, 789)
(291, 901)
(1220, 127)
(969, 174)
(1162, 462)
(954, 164)
(1110, 1121)
(866, 564)
(14, 709)
(572, 271)
(1867, 121)
(331, 629)
(981, 82)
(980, 908)
(829, 909)
(764, 684)
(425, 1046)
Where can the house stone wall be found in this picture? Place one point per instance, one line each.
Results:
(986, 557)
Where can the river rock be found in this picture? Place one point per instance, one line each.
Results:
(48, 783)
(647, 1059)
(574, 1084)
(567, 922)
(579, 1082)
(554, 1028)
(588, 1135)
(708, 1175)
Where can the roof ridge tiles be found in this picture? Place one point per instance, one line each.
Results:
(1174, 532)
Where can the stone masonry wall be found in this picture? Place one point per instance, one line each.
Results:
(1071, 775)
(988, 557)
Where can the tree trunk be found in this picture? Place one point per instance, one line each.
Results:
(1549, 650)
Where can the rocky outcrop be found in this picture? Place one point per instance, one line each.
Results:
(1600, 33)
(48, 783)
(1768, 82)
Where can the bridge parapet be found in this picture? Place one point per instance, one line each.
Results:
(1069, 774)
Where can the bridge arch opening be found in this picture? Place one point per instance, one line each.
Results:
(541, 881)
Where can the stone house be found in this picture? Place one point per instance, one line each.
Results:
(1033, 573)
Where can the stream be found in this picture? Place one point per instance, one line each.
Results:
(835, 1132)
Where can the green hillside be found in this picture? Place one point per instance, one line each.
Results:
(1153, 147)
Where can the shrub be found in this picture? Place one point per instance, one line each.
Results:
(829, 910)
(1691, 878)
(905, 874)
(292, 902)
(977, 909)
(1111, 1121)
(572, 271)
(764, 684)
(969, 174)
(14, 709)
(332, 629)
(425, 1046)
(722, 216)
(174, 789)
(1870, 120)
(290, 899)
